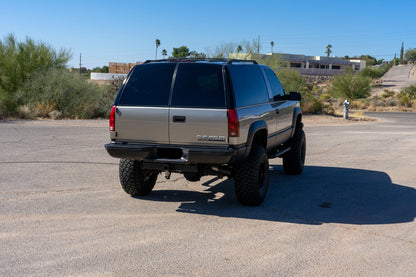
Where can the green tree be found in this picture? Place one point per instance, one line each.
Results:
(369, 60)
(272, 45)
(19, 61)
(410, 55)
(157, 46)
(181, 52)
(103, 69)
(164, 53)
(350, 86)
(196, 55)
(328, 50)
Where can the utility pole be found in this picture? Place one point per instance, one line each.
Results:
(79, 64)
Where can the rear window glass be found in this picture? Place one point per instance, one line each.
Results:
(248, 85)
(199, 85)
(148, 85)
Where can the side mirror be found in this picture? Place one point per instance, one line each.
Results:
(295, 96)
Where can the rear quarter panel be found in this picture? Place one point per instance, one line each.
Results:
(249, 115)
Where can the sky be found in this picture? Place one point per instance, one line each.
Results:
(125, 31)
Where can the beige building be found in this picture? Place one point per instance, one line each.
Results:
(120, 68)
(310, 65)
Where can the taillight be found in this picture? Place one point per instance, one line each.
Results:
(233, 124)
(113, 119)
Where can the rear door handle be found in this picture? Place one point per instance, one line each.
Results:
(179, 118)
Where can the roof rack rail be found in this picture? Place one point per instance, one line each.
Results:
(241, 61)
(151, 61)
(189, 60)
(229, 61)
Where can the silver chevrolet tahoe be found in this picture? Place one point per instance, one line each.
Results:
(205, 117)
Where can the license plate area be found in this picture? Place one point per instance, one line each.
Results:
(169, 153)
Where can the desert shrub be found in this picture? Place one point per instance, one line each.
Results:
(387, 93)
(292, 81)
(71, 95)
(371, 73)
(313, 102)
(350, 86)
(311, 105)
(407, 96)
(18, 62)
(325, 97)
(391, 102)
(359, 104)
(40, 109)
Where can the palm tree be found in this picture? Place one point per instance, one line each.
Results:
(157, 45)
(328, 50)
(164, 53)
(272, 44)
(239, 49)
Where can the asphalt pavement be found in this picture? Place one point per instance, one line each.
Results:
(351, 213)
(397, 78)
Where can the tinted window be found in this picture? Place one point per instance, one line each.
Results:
(276, 86)
(248, 85)
(199, 85)
(148, 85)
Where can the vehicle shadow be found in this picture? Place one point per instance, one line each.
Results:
(319, 195)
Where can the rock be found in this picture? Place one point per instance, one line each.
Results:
(55, 114)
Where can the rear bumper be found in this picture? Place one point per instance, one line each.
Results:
(171, 154)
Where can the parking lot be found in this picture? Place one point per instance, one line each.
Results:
(351, 213)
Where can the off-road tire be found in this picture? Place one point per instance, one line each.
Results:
(294, 160)
(135, 180)
(251, 178)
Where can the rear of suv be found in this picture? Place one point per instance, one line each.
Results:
(205, 117)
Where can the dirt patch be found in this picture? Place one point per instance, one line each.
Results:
(413, 72)
(63, 122)
(330, 120)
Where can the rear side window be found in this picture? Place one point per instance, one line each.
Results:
(199, 85)
(275, 85)
(248, 85)
(148, 85)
